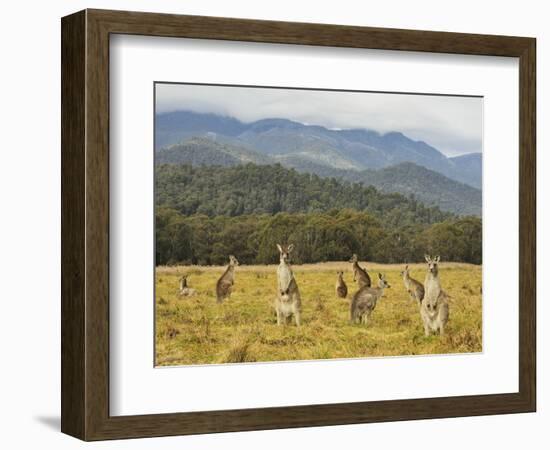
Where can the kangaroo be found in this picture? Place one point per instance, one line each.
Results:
(414, 287)
(185, 290)
(359, 274)
(434, 309)
(224, 285)
(364, 301)
(341, 288)
(288, 302)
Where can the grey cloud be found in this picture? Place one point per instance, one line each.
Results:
(451, 124)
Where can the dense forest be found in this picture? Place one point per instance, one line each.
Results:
(203, 214)
(252, 189)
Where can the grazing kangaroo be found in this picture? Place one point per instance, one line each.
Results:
(341, 288)
(434, 309)
(288, 301)
(224, 285)
(364, 301)
(359, 274)
(414, 287)
(185, 290)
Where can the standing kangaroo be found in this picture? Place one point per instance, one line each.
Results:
(364, 301)
(434, 309)
(288, 302)
(224, 285)
(341, 288)
(359, 274)
(185, 290)
(414, 287)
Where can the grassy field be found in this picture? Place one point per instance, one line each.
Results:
(196, 330)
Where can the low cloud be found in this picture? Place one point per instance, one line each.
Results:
(451, 124)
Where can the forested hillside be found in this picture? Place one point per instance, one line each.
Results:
(428, 186)
(252, 189)
(199, 151)
(431, 188)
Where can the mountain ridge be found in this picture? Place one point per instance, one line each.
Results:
(359, 148)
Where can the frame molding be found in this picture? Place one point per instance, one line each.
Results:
(85, 224)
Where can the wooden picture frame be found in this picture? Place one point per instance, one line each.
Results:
(85, 224)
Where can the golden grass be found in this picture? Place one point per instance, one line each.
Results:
(196, 330)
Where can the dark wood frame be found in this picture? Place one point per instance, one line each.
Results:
(85, 224)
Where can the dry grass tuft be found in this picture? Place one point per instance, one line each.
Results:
(239, 351)
(464, 339)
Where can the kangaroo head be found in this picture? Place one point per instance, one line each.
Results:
(284, 252)
(354, 258)
(233, 261)
(405, 273)
(432, 264)
(382, 283)
(183, 280)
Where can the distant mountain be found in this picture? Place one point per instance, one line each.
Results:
(408, 179)
(174, 127)
(357, 149)
(470, 166)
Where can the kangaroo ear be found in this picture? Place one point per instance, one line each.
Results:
(290, 248)
(406, 267)
(437, 259)
(280, 248)
(380, 275)
(427, 258)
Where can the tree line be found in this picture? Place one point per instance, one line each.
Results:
(333, 235)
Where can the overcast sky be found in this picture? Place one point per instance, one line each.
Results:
(451, 124)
